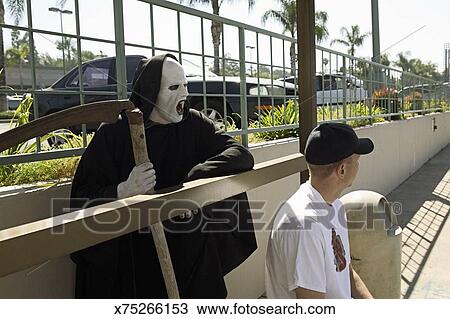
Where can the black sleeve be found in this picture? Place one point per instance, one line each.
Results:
(95, 183)
(96, 175)
(219, 154)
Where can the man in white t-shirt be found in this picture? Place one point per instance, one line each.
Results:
(308, 255)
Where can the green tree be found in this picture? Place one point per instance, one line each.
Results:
(351, 38)
(18, 54)
(403, 62)
(427, 69)
(66, 46)
(321, 26)
(16, 9)
(216, 27)
(384, 59)
(416, 66)
(287, 17)
(264, 72)
(232, 68)
(19, 51)
(88, 55)
(47, 60)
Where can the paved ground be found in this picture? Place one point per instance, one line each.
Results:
(425, 199)
(4, 127)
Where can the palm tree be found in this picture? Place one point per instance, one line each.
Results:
(406, 64)
(417, 66)
(216, 27)
(16, 9)
(321, 28)
(352, 38)
(287, 16)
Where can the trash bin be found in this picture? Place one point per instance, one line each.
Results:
(375, 242)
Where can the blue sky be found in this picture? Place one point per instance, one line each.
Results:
(398, 18)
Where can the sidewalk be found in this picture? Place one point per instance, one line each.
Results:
(425, 199)
(4, 127)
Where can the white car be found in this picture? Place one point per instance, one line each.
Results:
(330, 89)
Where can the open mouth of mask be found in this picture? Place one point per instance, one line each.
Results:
(180, 107)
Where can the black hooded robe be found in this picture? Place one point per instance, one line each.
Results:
(128, 266)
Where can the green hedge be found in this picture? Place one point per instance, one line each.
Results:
(52, 170)
(6, 115)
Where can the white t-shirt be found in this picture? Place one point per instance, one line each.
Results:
(308, 247)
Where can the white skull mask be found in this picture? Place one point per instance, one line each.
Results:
(173, 92)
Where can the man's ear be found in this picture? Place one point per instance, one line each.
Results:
(340, 170)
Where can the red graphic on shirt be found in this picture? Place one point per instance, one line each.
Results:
(339, 251)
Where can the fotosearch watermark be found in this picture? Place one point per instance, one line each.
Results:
(107, 216)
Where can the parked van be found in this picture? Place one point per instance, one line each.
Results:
(330, 89)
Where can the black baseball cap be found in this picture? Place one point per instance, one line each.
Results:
(332, 142)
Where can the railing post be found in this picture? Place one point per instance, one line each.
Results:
(307, 72)
(403, 94)
(243, 87)
(375, 32)
(121, 68)
(423, 100)
(80, 67)
(446, 99)
(33, 69)
(344, 89)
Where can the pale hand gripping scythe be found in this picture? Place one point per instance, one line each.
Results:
(107, 112)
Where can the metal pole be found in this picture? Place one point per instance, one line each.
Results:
(33, 70)
(62, 43)
(80, 66)
(121, 67)
(375, 32)
(376, 41)
(307, 71)
(243, 87)
(344, 88)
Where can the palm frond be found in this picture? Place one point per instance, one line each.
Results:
(275, 15)
(321, 18)
(16, 9)
(61, 3)
(340, 41)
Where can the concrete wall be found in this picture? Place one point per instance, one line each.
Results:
(401, 148)
(45, 76)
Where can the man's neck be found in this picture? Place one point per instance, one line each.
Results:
(328, 191)
(157, 118)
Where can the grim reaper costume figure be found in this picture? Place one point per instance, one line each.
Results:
(183, 145)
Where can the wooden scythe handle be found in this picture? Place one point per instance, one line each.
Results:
(107, 111)
(137, 131)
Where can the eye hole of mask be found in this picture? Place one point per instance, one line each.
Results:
(174, 87)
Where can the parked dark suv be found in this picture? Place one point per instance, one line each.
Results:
(269, 92)
(99, 77)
